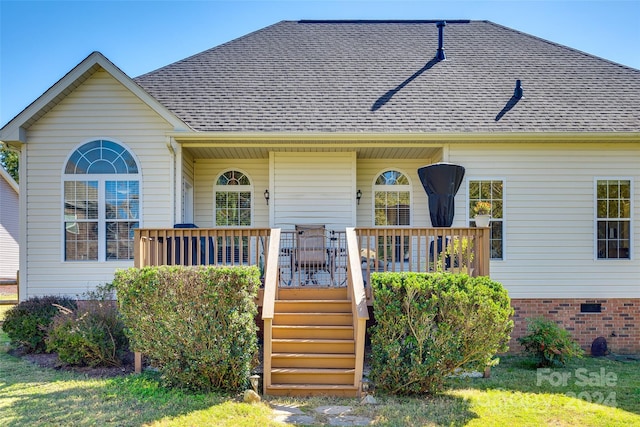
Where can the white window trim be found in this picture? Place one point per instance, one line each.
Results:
(375, 187)
(217, 188)
(594, 200)
(101, 178)
(188, 208)
(504, 210)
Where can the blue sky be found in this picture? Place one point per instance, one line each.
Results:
(40, 41)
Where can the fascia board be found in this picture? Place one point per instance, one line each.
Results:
(203, 138)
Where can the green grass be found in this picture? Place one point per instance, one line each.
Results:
(5, 308)
(513, 396)
(587, 392)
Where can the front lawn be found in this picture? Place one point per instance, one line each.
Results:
(7, 293)
(515, 395)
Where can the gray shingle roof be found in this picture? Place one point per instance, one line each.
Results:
(364, 76)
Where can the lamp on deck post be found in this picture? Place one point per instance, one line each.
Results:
(266, 196)
(358, 196)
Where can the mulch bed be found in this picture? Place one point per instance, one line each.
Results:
(51, 361)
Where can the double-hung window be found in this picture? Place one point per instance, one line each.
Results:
(392, 196)
(233, 199)
(392, 207)
(613, 218)
(101, 202)
(491, 191)
(233, 195)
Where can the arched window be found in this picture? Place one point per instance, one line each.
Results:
(392, 198)
(232, 195)
(101, 202)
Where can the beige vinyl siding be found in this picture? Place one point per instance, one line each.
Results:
(100, 108)
(368, 171)
(549, 217)
(206, 171)
(314, 188)
(9, 230)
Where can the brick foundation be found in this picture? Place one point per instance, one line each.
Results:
(618, 322)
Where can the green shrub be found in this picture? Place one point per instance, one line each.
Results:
(92, 335)
(197, 325)
(26, 323)
(549, 343)
(430, 325)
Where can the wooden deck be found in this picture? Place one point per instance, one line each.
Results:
(315, 315)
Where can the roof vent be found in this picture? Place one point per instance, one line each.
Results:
(440, 56)
(517, 92)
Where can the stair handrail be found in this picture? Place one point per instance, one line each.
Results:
(268, 303)
(357, 295)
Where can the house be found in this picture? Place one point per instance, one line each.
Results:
(9, 227)
(328, 122)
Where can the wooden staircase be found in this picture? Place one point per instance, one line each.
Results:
(312, 344)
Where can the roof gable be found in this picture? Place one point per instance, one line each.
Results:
(366, 76)
(14, 131)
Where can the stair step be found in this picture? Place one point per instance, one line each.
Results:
(313, 331)
(313, 347)
(312, 293)
(318, 346)
(332, 376)
(313, 360)
(344, 319)
(319, 306)
(306, 390)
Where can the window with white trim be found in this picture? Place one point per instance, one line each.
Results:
(392, 199)
(101, 202)
(233, 195)
(613, 218)
(490, 190)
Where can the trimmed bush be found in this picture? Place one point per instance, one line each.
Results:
(26, 324)
(196, 324)
(428, 326)
(93, 335)
(549, 343)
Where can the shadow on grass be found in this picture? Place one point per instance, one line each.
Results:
(600, 381)
(30, 395)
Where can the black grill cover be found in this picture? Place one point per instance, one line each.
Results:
(441, 181)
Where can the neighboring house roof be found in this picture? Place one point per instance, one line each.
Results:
(381, 76)
(9, 179)
(15, 129)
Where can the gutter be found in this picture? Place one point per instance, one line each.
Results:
(248, 138)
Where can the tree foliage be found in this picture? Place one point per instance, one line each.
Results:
(9, 161)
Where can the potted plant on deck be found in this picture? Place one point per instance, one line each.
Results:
(482, 213)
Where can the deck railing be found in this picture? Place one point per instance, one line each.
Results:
(268, 306)
(356, 293)
(201, 246)
(410, 249)
(413, 249)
